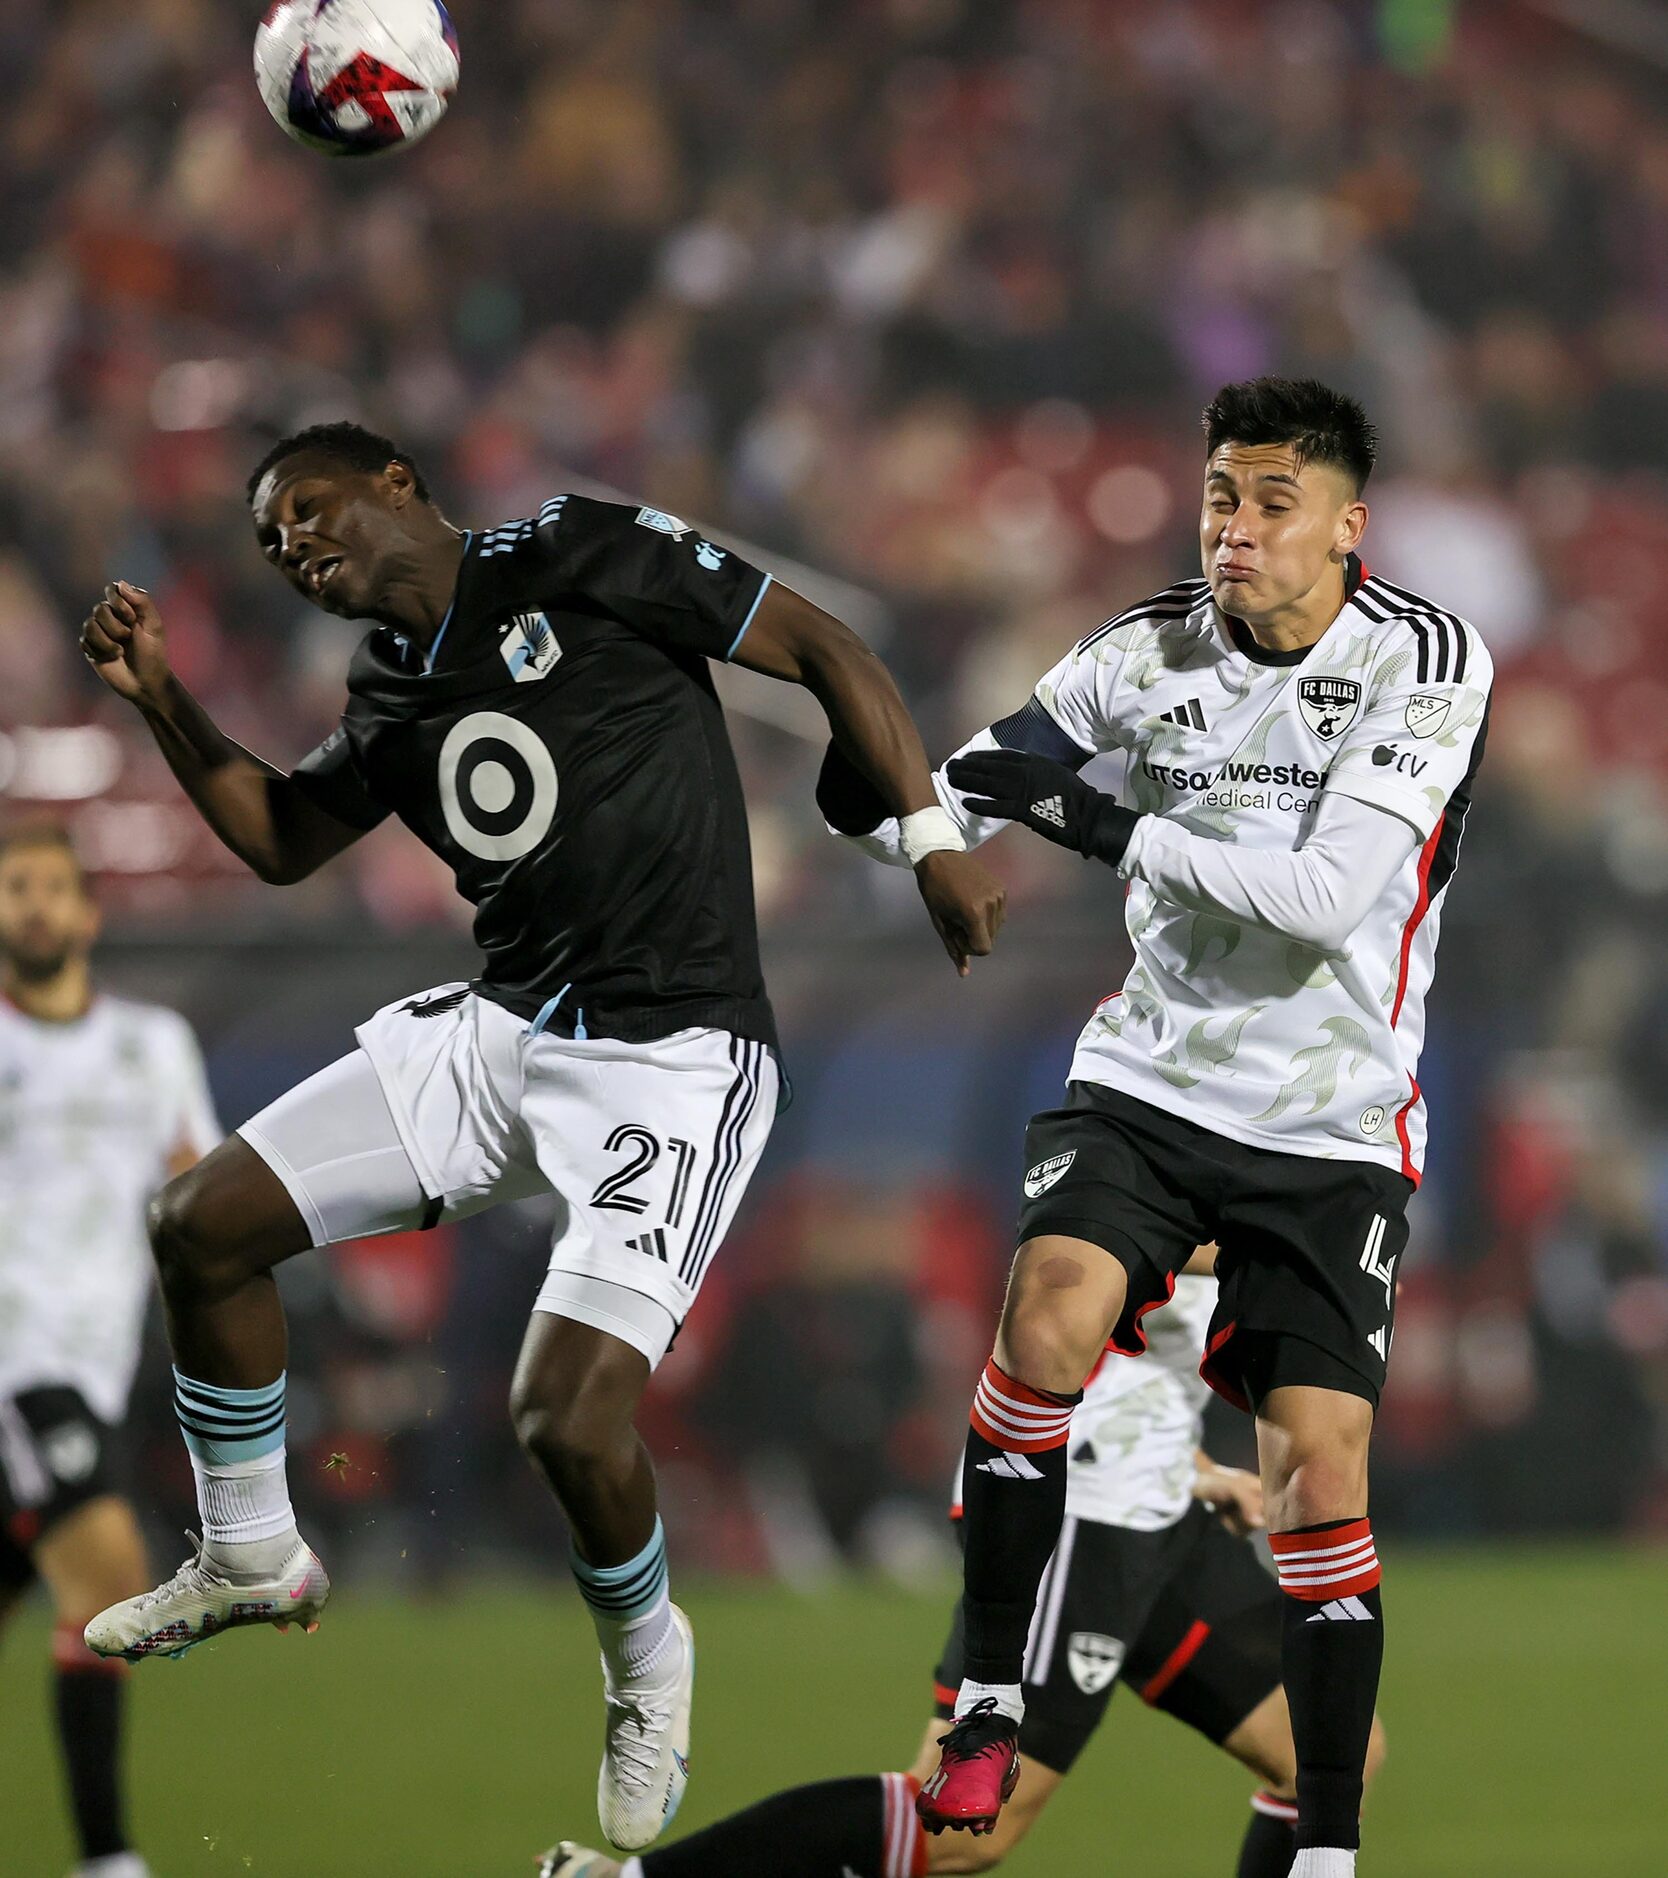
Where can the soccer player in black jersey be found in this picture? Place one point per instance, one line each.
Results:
(534, 702)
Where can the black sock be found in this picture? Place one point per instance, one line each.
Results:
(1333, 1650)
(863, 1827)
(1013, 1496)
(88, 1702)
(1270, 1842)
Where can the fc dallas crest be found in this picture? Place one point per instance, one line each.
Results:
(1328, 704)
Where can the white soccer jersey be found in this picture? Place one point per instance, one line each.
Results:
(1225, 1021)
(90, 1113)
(1135, 1436)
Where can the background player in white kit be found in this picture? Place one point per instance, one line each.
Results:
(101, 1099)
(1155, 1585)
(1298, 742)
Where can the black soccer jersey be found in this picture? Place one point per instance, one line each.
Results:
(562, 749)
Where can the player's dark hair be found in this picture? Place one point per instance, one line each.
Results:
(1321, 425)
(43, 835)
(351, 445)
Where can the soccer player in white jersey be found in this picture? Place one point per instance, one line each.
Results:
(1155, 1584)
(1298, 741)
(101, 1100)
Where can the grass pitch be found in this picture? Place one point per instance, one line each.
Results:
(1523, 1701)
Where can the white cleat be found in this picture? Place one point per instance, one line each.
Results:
(196, 1604)
(645, 1754)
(113, 1865)
(568, 1860)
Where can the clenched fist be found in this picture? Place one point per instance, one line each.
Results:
(122, 641)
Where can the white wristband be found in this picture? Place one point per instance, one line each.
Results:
(928, 831)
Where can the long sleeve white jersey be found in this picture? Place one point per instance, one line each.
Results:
(90, 1113)
(1302, 819)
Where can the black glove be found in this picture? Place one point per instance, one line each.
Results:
(1047, 797)
(848, 800)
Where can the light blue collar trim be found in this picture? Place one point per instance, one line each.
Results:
(434, 650)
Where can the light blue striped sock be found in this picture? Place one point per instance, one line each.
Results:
(226, 1426)
(631, 1606)
(235, 1438)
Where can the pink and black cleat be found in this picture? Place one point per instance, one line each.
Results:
(978, 1769)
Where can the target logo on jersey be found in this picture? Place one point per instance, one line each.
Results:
(356, 77)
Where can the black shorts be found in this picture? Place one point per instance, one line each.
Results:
(1189, 1617)
(1307, 1247)
(55, 1456)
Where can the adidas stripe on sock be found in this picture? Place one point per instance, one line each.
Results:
(630, 1604)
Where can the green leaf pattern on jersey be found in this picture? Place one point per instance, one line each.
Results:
(1388, 675)
(1137, 1002)
(1203, 1051)
(1307, 967)
(1204, 931)
(1316, 1069)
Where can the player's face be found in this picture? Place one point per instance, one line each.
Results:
(47, 917)
(330, 531)
(1272, 528)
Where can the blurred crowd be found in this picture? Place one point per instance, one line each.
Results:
(925, 295)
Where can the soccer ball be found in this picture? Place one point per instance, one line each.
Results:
(356, 77)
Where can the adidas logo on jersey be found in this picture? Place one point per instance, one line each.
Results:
(1050, 809)
(1009, 1467)
(1343, 1611)
(1380, 1340)
(1190, 716)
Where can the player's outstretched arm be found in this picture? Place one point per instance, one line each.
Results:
(260, 814)
(1315, 895)
(791, 639)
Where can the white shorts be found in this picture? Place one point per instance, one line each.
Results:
(452, 1104)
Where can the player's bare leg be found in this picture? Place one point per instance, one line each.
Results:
(1064, 1297)
(1313, 1447)
(217, 1231)
(575, 1392)
(86, 1560)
